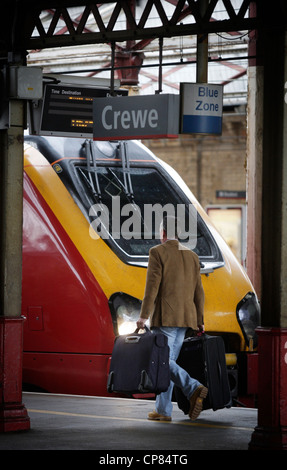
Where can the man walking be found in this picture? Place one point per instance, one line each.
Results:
(174, 301)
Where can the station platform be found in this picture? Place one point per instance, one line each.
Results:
(71, 422)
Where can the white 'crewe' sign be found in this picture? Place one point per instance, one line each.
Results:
(201, 108)
(136, 117)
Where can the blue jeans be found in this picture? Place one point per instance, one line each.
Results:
(178, 375)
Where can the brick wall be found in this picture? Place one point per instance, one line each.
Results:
(209, 163)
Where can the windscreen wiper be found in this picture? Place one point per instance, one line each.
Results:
(126, 169)
(92, 170)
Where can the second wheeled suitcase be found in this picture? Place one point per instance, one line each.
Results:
(140, 363)
(203, 357)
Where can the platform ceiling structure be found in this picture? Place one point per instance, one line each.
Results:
(186, 19)
(227, 52)
(23, 29)
(82, 34)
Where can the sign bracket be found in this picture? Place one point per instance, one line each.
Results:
(160, 66)
(113, 47)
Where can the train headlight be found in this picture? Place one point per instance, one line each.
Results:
(125, 311)
(248, 315)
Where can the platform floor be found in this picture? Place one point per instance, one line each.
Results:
(69, 422)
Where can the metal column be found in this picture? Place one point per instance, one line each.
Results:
(13, 414)
(271, 432)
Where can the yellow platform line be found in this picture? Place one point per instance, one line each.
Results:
(121, 418)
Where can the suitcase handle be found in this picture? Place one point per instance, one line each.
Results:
(132, 339)
(144, 328)
(135, 339)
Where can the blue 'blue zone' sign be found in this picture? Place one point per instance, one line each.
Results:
(201, 108)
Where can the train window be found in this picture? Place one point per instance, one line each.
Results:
(124, 190)
(118, 202)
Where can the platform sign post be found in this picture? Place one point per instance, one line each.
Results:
(201, 108)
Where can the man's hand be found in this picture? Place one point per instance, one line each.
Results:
(141, 323)
(200, 330)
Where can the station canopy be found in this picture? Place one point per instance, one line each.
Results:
(227, 52)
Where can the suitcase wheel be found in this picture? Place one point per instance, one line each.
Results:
(110, 386)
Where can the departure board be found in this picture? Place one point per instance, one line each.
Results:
(68, 110)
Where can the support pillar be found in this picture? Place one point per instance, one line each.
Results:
(13, 415)
(254, 163)
(271, 431)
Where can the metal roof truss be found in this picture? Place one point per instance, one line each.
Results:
(186, 19)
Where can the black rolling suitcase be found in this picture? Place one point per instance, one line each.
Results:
(139, 364)
(203, 357)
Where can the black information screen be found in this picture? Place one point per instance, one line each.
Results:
(69, 109)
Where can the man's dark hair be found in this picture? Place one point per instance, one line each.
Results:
(169, 225)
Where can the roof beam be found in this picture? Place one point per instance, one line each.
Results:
(37, 38)
(42, 42)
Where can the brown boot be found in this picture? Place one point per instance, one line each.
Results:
(154, 416)
(196, 400)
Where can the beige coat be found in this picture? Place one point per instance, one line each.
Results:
(174, 295)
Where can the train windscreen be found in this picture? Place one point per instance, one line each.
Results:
(124, 199)
(126, 205)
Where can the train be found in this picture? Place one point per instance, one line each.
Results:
(84, 269)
